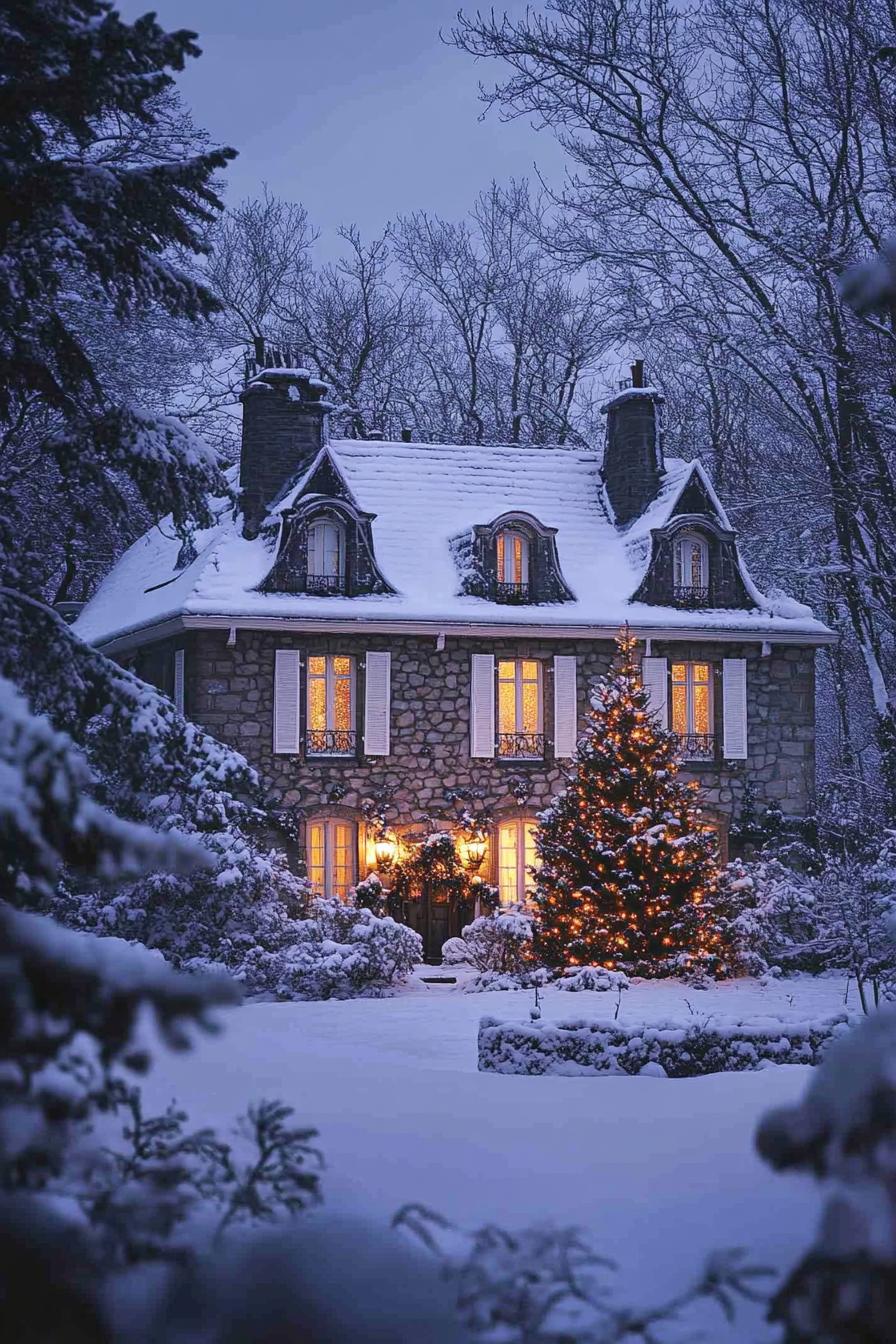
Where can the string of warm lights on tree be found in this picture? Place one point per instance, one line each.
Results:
(629, 874)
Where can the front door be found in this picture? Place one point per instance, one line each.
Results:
(436, 916)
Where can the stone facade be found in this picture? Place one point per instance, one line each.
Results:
(229, 691)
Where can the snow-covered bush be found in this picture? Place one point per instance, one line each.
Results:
(775, 919)
(488, 981)
(578, 978)
(246, 898)
(455, 953)
(340, 951)
(858, 904)
(770, 916)
(500, 942)
(844, 1132)
(678, 1050)
(545, 1285)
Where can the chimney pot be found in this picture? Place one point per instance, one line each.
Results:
(638, 373)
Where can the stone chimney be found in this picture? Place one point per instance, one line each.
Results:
(633, 456)
(284, 427)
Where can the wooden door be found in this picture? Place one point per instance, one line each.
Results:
(436, 916)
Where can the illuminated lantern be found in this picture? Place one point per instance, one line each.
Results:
(385, 847)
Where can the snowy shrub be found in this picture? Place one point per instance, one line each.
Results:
(455, 953)
(858, 903)
(546, 1285)
(246, 898)
(371, 894)
(844, 1132)
(577, 978)
(138, 1195)
(500, 942)
(486, 981)
(770, 915)
(671, 1048)
(340, 951)
(247, 915)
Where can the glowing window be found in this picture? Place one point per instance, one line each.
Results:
(513, 560)
(331, 856)
(331, 704)
(516, 856)
(520, 730)
(692, 715)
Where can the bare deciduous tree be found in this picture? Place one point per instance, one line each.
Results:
(730, 159)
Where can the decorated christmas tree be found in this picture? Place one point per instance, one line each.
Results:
(628, 874)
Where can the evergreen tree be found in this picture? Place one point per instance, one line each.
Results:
(627, 874)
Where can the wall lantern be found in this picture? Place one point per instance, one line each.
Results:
(475, 853)
(385, 848)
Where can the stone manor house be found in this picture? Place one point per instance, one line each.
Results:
(422, 623)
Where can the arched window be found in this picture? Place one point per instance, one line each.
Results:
(691, 569)
(326, 556)
(512, 565)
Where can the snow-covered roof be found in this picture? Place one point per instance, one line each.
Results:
(422, 495)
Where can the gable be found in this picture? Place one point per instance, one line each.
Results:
(695, 498)
(324, 478)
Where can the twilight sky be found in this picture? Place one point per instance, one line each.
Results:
(356, 109)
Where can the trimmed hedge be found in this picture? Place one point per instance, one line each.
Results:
(670, 1049)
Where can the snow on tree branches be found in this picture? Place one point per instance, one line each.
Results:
(627, 871)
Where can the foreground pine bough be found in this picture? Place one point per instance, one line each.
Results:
(670, 1049)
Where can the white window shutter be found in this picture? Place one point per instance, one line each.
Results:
(655, 676)
(179, 680)
(377, 703)
(482, 704)
(734, 709)
(287, 690)
(565, 706)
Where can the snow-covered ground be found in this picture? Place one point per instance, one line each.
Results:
(657, 1171)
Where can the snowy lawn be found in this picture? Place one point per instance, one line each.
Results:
(657, 1171)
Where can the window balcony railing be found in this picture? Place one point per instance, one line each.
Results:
(697, 746)
(521, 746)
(330, 742)
(324, 583)
(688, 595)
(512, 592)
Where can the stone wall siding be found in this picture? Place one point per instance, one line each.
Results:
(230, 692)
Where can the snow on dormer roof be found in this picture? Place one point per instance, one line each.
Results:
(421, 496)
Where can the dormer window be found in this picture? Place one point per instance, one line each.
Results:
(326, 557)
(691, 570)
(512, 582)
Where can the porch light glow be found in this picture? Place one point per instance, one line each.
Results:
(474, 853)
(385, 848)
